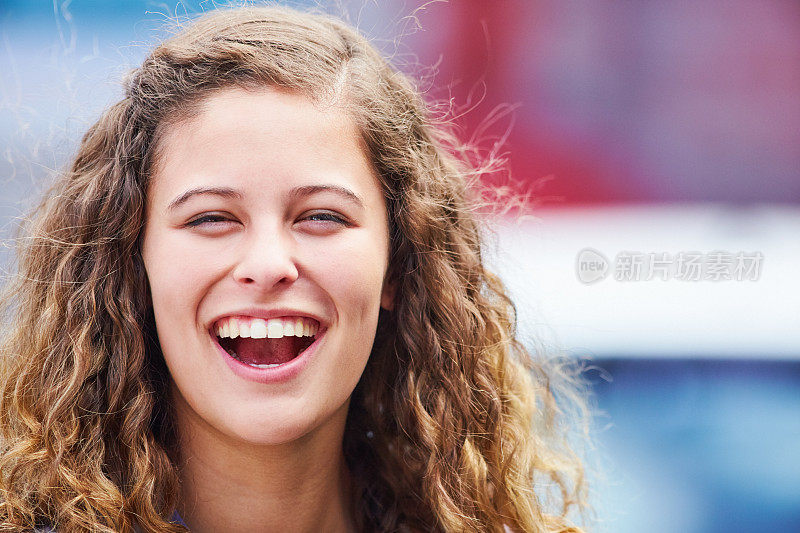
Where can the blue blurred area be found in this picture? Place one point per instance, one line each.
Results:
(38, 22)
(698, 446)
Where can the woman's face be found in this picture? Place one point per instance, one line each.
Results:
(266, 248)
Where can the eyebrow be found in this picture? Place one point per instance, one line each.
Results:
(308, 190)
(297, 192)
(225, 192)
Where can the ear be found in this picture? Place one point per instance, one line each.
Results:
(388, 294)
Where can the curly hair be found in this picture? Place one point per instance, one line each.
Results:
(454, 425)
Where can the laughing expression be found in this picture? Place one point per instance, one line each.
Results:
(266, 248)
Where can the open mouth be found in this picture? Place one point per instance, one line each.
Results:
(266, 343)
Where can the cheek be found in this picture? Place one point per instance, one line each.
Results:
(178, 274)
(353, 272)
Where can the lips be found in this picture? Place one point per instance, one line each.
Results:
(265, 343)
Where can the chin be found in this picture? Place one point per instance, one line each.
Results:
(273, 429)
(271, 436)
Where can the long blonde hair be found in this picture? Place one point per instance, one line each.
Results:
(453, 427)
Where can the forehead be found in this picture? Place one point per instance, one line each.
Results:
(239, 135)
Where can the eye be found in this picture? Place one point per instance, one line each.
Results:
(325, 216)
(210, 219)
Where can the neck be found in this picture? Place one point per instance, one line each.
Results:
(231, 486)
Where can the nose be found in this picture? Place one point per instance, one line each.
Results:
(266, 260)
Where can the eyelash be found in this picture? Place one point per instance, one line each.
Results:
(213, 219)
(328, 217)
(216, 219)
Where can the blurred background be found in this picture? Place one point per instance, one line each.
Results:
(657, 146)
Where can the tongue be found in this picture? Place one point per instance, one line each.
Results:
(269, 351)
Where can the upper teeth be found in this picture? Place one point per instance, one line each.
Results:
(272, 328)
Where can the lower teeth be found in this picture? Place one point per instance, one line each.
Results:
(266, 365)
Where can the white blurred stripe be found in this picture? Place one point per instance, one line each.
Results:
(754, 319)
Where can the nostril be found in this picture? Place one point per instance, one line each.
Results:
(268, 280)
(265, 262)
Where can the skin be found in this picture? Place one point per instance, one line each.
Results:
(265, 456)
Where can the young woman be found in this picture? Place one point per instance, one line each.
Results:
(256, 301)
